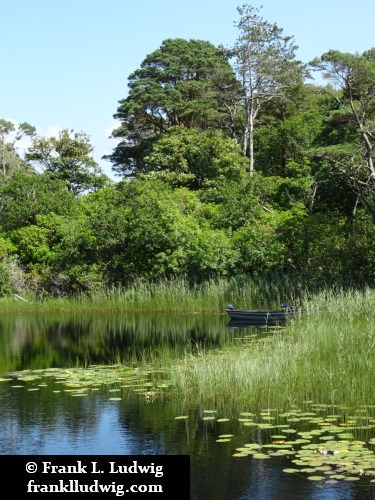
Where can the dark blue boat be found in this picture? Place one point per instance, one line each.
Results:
(264, 316)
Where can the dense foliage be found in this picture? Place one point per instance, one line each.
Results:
(188, 205)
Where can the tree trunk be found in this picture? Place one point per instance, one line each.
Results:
(251, 144)
(245, 138)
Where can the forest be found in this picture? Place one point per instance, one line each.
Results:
(231, 162)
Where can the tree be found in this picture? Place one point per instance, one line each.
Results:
(266, 65)
(353, 75)
(58, 254)
(196, 159)
(68, 157)
(179, 84)
(10, 134)
(26, 195)
(287, 129)
(145, 229)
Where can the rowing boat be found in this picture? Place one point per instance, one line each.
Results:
(261, 315)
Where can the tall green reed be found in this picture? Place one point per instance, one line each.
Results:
(325, 356)
(175, 294)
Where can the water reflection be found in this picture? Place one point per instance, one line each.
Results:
(234, 324)
(44, 340)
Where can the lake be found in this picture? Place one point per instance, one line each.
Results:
(40, 416)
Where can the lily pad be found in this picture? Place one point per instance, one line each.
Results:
(261, 456)
(253, 446)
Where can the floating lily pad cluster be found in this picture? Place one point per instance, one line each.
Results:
(80, 382)
(324, 442)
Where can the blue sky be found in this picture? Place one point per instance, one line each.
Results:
(65, 63)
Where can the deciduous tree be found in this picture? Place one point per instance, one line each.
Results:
(10, 134)
(353, 80)
(26, 195)
(196, 159)
(266, 65)
(68, 157)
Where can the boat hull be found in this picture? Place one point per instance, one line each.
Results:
(259, 316)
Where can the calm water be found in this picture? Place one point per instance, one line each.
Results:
(48, 420)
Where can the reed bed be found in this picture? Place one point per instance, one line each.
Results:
(173, 295)
(348, 303)
(325, 357)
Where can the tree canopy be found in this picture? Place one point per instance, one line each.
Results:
(68, 157)
(180, 84)
(354, 77)
(266, 65)
(195, 159)
(10, 135)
